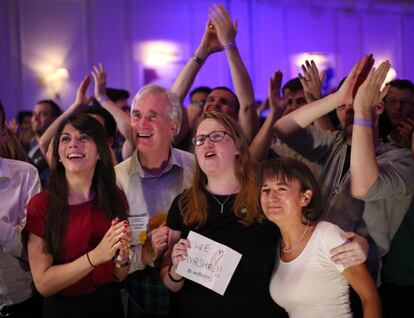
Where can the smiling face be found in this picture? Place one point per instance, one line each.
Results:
(283, 200)
(215, 157)
(77, 151)
(222, 101)
(151, 127)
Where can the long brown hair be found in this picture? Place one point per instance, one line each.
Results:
(110, 199)
(193, 202)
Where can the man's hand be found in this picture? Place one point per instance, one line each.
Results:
(311, 81)
(81, 98)
(369, 94)
(353, 252)
(277, 103)
(158, 244)
(221, 21)
(99, 77)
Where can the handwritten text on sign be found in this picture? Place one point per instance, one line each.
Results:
(209, 263)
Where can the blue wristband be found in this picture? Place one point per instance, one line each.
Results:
(363, 122)
(230, 45)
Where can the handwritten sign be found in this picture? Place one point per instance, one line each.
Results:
(209, 263)
(139, 226)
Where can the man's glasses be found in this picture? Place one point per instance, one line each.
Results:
(214, 136)
(199, 103)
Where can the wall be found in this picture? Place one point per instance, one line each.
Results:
(37, 36)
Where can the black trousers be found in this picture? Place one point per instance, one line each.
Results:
(103, 302)
(31, 307)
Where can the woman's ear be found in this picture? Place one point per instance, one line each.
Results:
(306, 197)
(236, 151)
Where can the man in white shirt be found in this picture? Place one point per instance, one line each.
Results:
(19, 181)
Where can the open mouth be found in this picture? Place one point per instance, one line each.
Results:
(144, 135)
(75, 156)
(209, 154)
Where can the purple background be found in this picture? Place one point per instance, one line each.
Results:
(36, 35)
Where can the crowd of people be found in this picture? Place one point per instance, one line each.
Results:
(98, 201)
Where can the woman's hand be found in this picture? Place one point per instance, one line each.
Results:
(117, 237)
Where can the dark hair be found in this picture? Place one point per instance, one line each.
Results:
(57, 111)
(294, 85)
(2, 115)
(109, 121)
(288, 170)
(21, 115)
(200, 89)
(224, 88)
(193, 202)
(116, 94)
(109, 196)
(402, 84)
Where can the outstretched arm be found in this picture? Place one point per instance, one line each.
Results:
(226, 32)
(261, 143)
(302, 117)
(123, 121)
(81, 101)
(363, 167)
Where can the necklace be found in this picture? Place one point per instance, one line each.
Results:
(221, 204)
(294, 246)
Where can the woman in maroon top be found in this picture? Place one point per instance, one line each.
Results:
(76, 226)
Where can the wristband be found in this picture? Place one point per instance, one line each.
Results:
(102, 99)
(230, 45)
(171, 276)
(89, 260)
(363, 122)
(197, 59)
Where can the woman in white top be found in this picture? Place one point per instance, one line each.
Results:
(305, 281)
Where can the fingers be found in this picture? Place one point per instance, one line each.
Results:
(361, 71)
(179, 251)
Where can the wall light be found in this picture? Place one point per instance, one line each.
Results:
(55, 80)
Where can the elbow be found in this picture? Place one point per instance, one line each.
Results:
(358, 192)
(43, 289)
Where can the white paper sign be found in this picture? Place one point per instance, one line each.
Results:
(139, 226)
(209, 263)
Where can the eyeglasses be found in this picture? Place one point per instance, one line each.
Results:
(214, 136)
(403, 102)
(199, 103)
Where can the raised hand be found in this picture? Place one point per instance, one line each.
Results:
(81, 98)
(210, 42)
(311, 81)
(277, 103)
(345, 94)
(221, 21)
(99, 77)
(369, 95)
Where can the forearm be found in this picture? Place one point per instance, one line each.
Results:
(363, 167)
(244, 91)
(59, 277)
(174, 286)
(50, 132)
(123, 121)
(305, 115)
(185, 79)
(259, 148)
